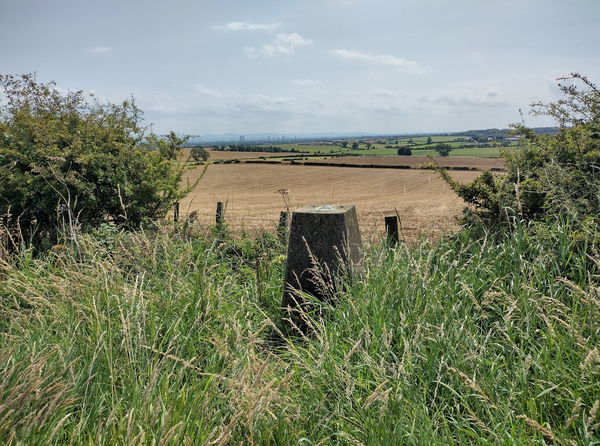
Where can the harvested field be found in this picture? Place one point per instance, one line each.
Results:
(216, 155)
(425, 203)
(417, 161)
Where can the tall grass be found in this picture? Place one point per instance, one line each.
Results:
(159, 338)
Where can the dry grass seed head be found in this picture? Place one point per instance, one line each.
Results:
(547, 434)
(379, 394)
(589, 422)
(576, 410)
(592, 360)
(585, 296)
(473, 386)
(29, 397)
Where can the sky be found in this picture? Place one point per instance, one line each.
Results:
(308, 66)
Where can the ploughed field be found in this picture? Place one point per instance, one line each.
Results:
(254, 195)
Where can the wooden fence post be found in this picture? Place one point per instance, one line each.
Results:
(219, 214)
(176, 212)
(324, 244)
(391, 227)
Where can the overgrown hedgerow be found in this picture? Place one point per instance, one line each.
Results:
(69, 162)
(552, 176)
(161, 339)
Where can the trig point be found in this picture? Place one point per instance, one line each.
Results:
(324, 242)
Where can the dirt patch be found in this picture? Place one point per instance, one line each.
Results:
(425, 203)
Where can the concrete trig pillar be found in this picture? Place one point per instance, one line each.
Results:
(324, 242)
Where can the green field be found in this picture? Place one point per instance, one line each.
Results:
(479, 152)
(423, 139)
(380, 150)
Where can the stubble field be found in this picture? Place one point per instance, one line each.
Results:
(255, 194)
(418, 161)
(220, 155)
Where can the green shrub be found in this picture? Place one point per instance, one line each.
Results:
(199, 154)
(443, 149)
(555, 174)
(67, 159)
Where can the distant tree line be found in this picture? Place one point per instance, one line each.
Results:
(501, 134)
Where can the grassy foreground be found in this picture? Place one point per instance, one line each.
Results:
(158, 338)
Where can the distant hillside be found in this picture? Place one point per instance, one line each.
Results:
(500, 134)
(272, 138)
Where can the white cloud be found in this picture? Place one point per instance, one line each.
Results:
(206, 108)
(284, 44)
(212, 92)
(231, 101)
(382, 59)
(245, 26)
(491, 99)
(306, 82)
(383, 93)
(99, 50)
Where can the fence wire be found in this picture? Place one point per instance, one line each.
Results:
(371, 223)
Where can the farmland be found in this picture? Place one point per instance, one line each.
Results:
(313, 150)
(121, 327)
(425, 203)
(221, 155)
(417, 162)
(419, 145)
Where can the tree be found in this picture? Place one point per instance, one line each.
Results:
(68, 160)
(429, 140)
(355, 145)
(555, 175)
(199, 154)
(443, 149)
(404, 151)
(344, 144)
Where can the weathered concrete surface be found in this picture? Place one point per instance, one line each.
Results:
(324, 243)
